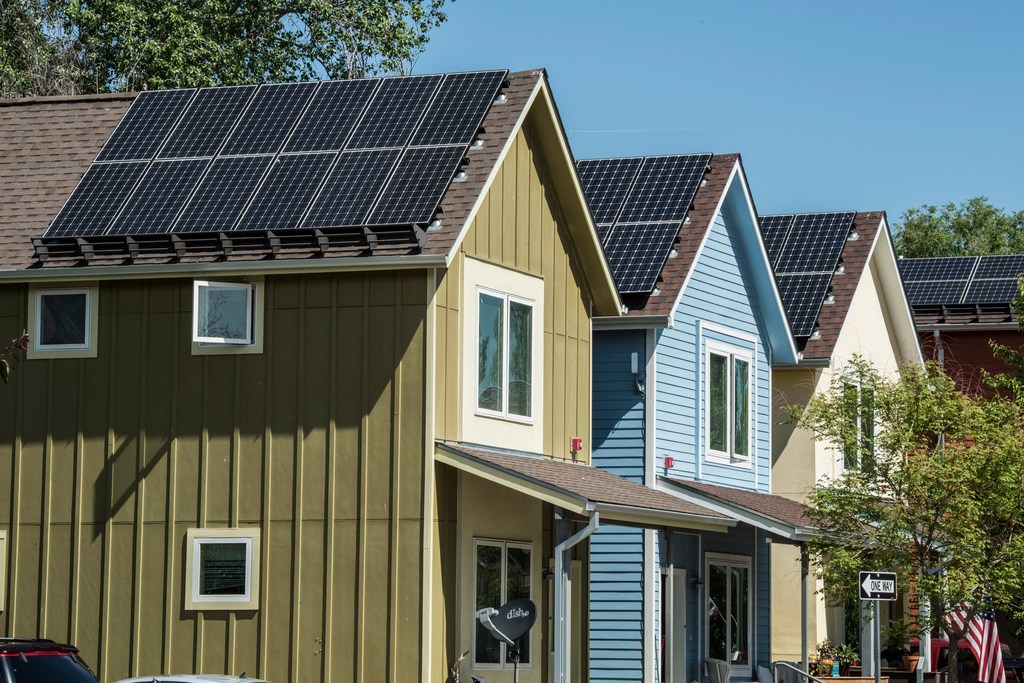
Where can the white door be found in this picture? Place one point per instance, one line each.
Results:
(675, 627)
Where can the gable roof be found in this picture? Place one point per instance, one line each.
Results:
(971, 291)
(49, 144)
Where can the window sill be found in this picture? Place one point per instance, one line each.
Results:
(527, 421)
(724, 459)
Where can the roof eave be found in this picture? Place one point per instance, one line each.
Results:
(633, 322)
(648, 517)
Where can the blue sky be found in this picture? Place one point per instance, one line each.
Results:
(834, 104)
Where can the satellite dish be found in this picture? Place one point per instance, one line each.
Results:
(515, 618)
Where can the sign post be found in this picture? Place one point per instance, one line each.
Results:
(877, 586)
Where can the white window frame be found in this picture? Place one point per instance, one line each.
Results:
(208, 346)
(731, 354)
(195, 539)
(502, 651)
(841, 463)
(87, 349)
(728, 561)
(3, 569)
(507, 300)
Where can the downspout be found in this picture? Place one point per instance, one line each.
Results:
(563, 586)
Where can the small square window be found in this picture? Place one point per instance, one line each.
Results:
(223, 313)
(62, 323)
(223, 572)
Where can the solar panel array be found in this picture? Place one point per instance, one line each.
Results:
(639, 204)
(318, 155)
(804, 250)
(954, 280)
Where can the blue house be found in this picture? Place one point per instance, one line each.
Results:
(682, 403)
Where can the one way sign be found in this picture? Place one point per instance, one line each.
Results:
(877, 586)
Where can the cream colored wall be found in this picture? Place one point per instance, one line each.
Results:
(786, 603)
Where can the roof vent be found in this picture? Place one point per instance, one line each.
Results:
(673, 253)
(686, 221)
(477, 144)
(840, 269)
(703, 182)
(816, 334)
(460, 177)
(853, 236)
(625, 309)
(830, 299)
(501, 99)
(656, 292)
(434, 224)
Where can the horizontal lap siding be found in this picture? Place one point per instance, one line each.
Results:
(105, 464)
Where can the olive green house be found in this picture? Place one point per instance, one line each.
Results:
(309, 379)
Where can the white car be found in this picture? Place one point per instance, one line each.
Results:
(193, 678)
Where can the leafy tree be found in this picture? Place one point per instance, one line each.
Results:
(973, 228)
(38, 53)
(944, 495)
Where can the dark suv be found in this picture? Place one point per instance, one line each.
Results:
(35, 660)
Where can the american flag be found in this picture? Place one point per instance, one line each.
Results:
(983, 637)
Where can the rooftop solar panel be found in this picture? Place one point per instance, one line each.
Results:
(207, 122)
(159, 197)
(394, 112)
(269, 119)
(997, 267)
(331, 115)
(803, 296)
(145, 125)
(637, 253)
(775, 230)
(664, 188)
(415, 189)
(1002, 291)
(456, 112)
(351, 188)
(932, 292)
(282, 200)
(97, 199)
(815, 243)
(222, 194)
(605, 184)
(945, 268)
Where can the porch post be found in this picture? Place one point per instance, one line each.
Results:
(563, 589)
(668, 617)
(805, 570)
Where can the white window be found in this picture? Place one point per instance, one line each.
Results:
(222, 569)
(62, 322)
(728, 609)
(223, 313)
(502, 572)
(504, 355)
(728, 403)
(859, 427)
(3, 568)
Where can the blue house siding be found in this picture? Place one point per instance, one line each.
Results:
(616, 553)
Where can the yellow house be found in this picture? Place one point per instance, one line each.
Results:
(838, 276)
(308, 372)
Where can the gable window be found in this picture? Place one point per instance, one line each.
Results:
(223, 313)
(859, 427)
(223, 569)
(63, 322)
(728, 403)
(504, 355)
(502, 572)
(728, 608)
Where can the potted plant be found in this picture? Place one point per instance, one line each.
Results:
(847, 657)
(826, 657)
(896, 637)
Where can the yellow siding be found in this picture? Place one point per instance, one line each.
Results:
(521, 226)
(319, 442)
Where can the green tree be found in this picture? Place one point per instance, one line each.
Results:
(38, 53)
(973, 228)
(944, 496)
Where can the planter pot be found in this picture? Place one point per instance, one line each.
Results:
(910, 662)
(844, 669)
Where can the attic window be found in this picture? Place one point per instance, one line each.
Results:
(223, 313)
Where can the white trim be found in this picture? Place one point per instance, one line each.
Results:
(195, 539)
(729, 560)
(211, 285)
(257, 326)
(506, 344)
(648, 630)
(650, 408)
(504, 546)
(731, 354)
(728, 331)
(905, 311)
(86, 349)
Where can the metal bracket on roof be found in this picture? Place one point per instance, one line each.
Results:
(88, 252)
(133, 247)
(227, 245)
(322, 241)
(42, 251)
(275, 242)
(421, 235)
(371, 238)
(179, 246)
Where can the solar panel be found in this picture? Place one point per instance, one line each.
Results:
(664, 188)
(803, 296)
(144, 127)
(999, 267)
(284, 196)
(775, 230)
(207, 122)
(415, 189)
(944, 268)
(605, 184)
(97, 198)
(223, 194)
(456, 112)
(156, 202)
(393, 113)
(931, 292)
(1002, 291)
(351, 188)
(331, 115)
(268, 120)
(815, 243)
(637, 253)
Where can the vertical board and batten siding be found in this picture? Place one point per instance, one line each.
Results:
(616, 553)
(718, 293)
(318, 442)
(520, 225)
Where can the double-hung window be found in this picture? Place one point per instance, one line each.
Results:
(504, 355)
(859, 427)
(728, 373)
(502, 572)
